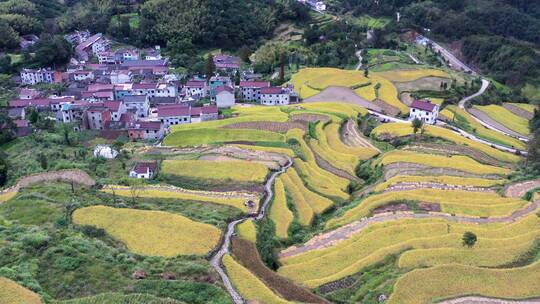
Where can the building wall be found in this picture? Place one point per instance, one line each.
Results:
(225, 99)
(275, 99)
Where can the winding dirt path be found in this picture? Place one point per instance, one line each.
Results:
(224, 249)
(340, 234)
(354, 139)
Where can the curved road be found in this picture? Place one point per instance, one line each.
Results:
(216, 260)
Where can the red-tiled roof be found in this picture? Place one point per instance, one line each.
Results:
(423, 105)
(173, 110)
(21, 123)
(100, 87)
(254, 84)
(196, 83)
(224, 89)
(272, 90)
(112, 105)
(210, 110)
(144, 86)
(99, 94)
(146, 125)
(21, 103)
(142, 168)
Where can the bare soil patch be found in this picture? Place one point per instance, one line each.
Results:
(246, 253)
(520, 189)
(426, 83)
(351, 136)
(307, 118)
(344, 95)
(386, 108)
(424, 207)
(518, 111)
(396, 169)
(404, 186)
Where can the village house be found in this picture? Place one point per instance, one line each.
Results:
(155, 89)
(218, 81)
(26, 93)
(17, 113)
(27, 41)
(140, 104)
(97, 96)
(224, 97)
(425, 111)
(227, 63)
(31, 76)
(121, 76)
(196, 89)
(94, 44)
(97, 115)
(117, 108)
(146, 130)
(251, 90)
(77, 37)
(153, 54)
(170, 115)
(144, 170)
(83, 75)
(272, 96)
(205, 113)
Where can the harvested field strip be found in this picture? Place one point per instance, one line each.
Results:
(314, 268)
(279, 212)
(247, 255)
(152, 233)
(285, 151)
(305, 212)
(453, 149)
(519, 111)
(458, 162)
(195, 137)
(460, 202)
(387, 92)
(526, 106)
(248, 285)
(401, 129)
(181, 194)
(412, 75)
(242, 171)
(450, 281)
(469, 124)
(320, 180)
(13, 293)
(406, 169)
(309, 117)
(256, 113)
(247, 230)
(448, 180)
(362, 152)
(507, 118)
(279, 127)
(318, 203)
(342, 161)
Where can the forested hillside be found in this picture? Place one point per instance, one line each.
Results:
(501, 37)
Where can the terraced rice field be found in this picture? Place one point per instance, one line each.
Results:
(436, 240)
(241, 171)
(182, 194)
(250, 287)
(400, 129)
(459, 202)
(247, 231)
(412, 75)
(465, 121)
(4, 197)
(195, 137)
(118, 298)
(13, 293)
(311, 81)
(152, 233)
(507, 118)
(446, 180)
(387, 92)
(279, 212)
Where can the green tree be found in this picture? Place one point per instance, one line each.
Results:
(9, 39)
(282, 68)
(366, 73)
(3, 169)
(244, 54)
(210, 67)
(417, 125)
(469, 239)
(377, 88)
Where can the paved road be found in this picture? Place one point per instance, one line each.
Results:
(454, 61)
(359, 56)
(217, 259)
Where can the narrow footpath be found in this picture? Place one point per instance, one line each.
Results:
(216, 260)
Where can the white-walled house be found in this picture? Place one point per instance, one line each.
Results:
(196, 89)
(275, 96)
(251, 90)
(143, 170)
(224, 97)
(425, 111)
(138, 103)
(31, 76)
